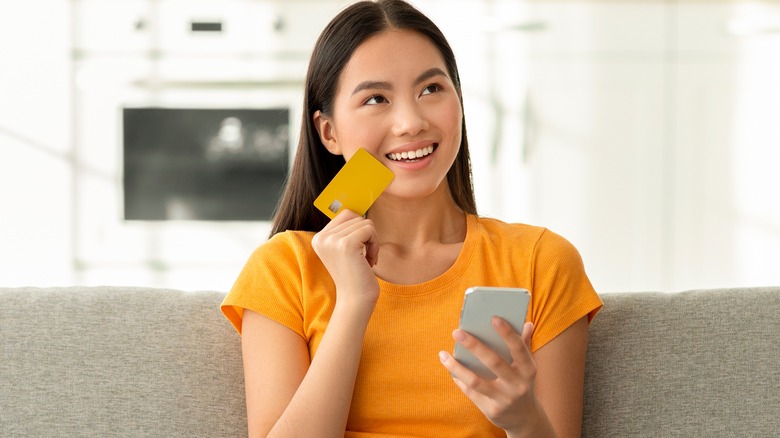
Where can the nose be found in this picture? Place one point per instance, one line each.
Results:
(409, 119)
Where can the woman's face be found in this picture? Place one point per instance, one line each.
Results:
(396, 100)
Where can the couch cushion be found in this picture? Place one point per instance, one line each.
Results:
(117, 361)
(697, 363)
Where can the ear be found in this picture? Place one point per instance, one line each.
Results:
(327, 132)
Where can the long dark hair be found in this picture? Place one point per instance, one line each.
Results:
(314, 166)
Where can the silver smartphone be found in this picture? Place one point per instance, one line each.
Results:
(480, 304)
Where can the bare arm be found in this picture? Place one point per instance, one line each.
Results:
(275, 361)
(560, 378)
(286, 396)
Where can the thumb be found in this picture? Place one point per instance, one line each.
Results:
(372, 251)
(528, 332)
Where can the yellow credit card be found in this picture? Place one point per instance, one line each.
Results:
(356, 186)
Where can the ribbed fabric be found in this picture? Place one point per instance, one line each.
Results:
(118, 361)
(402, 388)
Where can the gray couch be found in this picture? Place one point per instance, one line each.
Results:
(116, 361)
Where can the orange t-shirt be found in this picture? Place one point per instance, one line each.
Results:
(401, 387)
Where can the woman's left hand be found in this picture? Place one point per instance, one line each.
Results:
(508, 401)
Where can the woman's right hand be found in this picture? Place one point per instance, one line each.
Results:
(348, 247)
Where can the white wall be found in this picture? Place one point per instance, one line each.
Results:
(644, 132)
(36, 172)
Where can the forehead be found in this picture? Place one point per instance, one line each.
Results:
(392, 55)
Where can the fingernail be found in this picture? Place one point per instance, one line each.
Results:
(443, 356)
(459, 335)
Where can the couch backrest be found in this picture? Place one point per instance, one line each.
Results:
(690, 364)
(115, 361)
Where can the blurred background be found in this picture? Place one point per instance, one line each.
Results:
(143, 142)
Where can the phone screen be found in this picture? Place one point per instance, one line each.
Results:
(479, 306)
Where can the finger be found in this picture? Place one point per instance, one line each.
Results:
(344, 224)
(468, 381)
(356, 232)
(344, 216)
(519, 346)
(475, 396)
(528, 333)
(485, 354)
(367, 233)
(361, 235)
(514, 340)
(372, 249)
(484, 393)
(333, 232)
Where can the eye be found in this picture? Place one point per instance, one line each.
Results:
(375, 100)
(432, 88)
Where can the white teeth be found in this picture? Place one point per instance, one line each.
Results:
(411, 155)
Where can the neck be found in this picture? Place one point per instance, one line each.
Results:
(414, 223)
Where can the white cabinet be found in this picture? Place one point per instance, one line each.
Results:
(596, 166)
(118, 26)
(726, 210)
(595, 125)
(651, 138)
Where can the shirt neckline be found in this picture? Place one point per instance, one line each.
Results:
(447, 277)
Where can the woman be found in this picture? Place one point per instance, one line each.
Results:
(347, 324)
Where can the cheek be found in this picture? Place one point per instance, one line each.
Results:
(454, 121)
(348, 124)
(360, 132)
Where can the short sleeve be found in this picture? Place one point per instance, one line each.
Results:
(561, 292)
(269, 284)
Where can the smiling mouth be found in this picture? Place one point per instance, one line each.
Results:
(412, 156)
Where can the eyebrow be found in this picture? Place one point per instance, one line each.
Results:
(381, 85)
